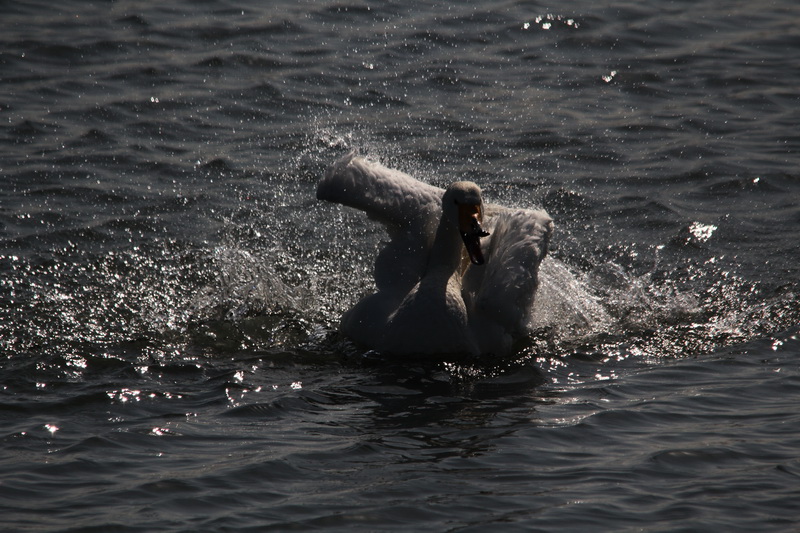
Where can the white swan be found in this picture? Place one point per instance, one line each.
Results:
(457, 277)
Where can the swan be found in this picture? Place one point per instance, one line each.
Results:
(458, 276)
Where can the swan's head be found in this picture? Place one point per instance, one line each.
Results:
(462, 204)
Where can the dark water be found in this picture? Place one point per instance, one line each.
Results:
(169, 286)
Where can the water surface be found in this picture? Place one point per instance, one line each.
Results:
(170, 287)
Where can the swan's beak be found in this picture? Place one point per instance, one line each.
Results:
(469, 225)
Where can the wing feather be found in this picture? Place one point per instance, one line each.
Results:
(408, 208)
(503, 290)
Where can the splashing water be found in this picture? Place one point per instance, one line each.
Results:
(285, 268)
(602, 308)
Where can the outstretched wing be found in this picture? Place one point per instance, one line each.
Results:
(502, 290)
(408, 208)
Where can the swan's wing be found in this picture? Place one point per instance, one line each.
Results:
(502, 291)
(386, 195)
(408, 208)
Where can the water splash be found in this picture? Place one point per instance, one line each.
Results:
(565, 303)
(284, 268)
(245, 284)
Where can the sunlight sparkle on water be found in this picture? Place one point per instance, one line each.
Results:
(702, 232)
(547, 21)
(125, 395)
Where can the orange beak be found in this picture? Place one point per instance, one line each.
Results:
(470, 218)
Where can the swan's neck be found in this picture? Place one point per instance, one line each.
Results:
(446, 253)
